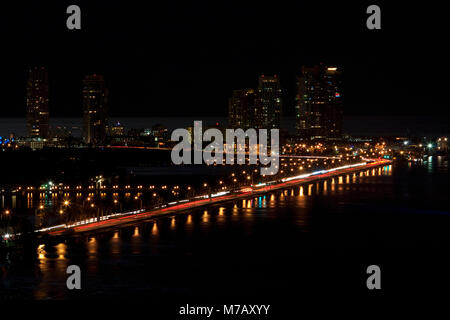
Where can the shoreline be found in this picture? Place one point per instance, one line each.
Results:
(183, 205)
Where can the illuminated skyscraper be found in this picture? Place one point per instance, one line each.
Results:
(319, 103)
(37, 103)
(269, 102)
(95, 120)
(242, 110)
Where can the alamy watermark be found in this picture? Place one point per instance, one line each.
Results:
(374, 280)
(73, 21)
(374, 20)
(235, 145)
(74, 280)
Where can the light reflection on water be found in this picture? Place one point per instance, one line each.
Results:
(205, 217)
(115, 244)
(52, 265)
(136, 242)
(166, 235)
(92, 261)
(155, 227)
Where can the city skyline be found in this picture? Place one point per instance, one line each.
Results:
(196, 154)
(350, 126)
(159, 66)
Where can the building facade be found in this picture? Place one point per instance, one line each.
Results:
(319, 107)
(268, 103)
(37, 103)
(242, 109)
(95, 119)
(117, 130)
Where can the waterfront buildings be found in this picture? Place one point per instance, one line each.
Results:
(319, 103)
(269, 102)
(260, 108)
(95, 120)
(37, 103)
(117, 130)
(242, 109)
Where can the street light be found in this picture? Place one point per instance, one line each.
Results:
(140, 201)
(208, 189)
(116, 202)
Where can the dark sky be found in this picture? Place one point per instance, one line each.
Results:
(185, 57)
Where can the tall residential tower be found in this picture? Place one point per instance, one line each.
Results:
(319, 103)
(95, 120)
(37, 103)
(269, 102)
(242, 112)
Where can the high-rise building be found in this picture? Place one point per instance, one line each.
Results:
(95, 120)
(269, 102)
(242, 110)
(37, 103)
(319, 103)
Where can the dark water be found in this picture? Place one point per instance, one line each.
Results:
(316, 239)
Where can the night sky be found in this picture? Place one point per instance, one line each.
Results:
(185, 58)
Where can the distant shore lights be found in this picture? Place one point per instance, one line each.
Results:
(257, 145)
